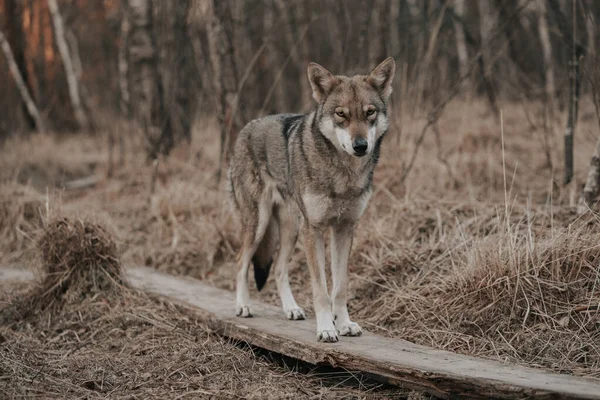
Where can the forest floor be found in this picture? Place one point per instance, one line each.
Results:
(478, 251)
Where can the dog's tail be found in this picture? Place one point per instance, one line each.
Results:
(263, 257)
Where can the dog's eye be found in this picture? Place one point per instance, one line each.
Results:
(339, 114)
(370, 112)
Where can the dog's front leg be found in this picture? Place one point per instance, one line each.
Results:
(315, 256)
(341, 242)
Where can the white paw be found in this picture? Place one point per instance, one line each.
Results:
(243, 311)
(327, 336)
(349, 329)
(295, 313)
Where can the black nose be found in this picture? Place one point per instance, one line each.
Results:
(360, 146)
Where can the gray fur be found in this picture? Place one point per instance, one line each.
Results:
(289, 167)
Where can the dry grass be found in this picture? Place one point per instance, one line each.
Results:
(137, 347)
(83, 333)
(469, 254)
(21, 210)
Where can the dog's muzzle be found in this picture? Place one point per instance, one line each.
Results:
(360, 146)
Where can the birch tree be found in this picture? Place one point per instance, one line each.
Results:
(225, 77)
(20, 83)
(461, 45)
(70, 73)
(546, 49)
(147, 92)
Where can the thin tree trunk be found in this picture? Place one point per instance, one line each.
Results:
(574, 86)
(461, 45)
(147, 93)
(72, 81)
(590, 26)
(394, 40)
(21, 86)
(123, 65)
(592, 185)
(546, 49)
(486, 21)
(13, 12)
(225, 77)
(303, 18)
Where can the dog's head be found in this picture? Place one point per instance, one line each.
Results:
(353, 110)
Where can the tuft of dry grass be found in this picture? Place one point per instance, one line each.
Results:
(79, 258)
(21, 210)
(518, 294)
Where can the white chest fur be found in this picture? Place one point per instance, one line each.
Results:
(321, 208)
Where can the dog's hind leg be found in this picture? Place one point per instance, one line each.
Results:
(288, 221)
(253, 231)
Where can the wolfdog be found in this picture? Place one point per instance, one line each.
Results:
(314, 170)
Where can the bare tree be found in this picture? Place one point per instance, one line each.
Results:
(576, 52)
(225, 77)
(72, 81)
(21, 86)
(546, 49)
(486, 22)
(15, 36)
(592, 184)
(461, 45)
(123, 66)
(394, 15)
(147, 94)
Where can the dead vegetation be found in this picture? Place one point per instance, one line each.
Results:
(81, 332)
(477, 252)
(21, 210)
(137, 347)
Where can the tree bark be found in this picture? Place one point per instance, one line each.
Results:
(15, 36)
(576, 52)
(546, 49)
(123, 65)
(225, 78)
(461, 45)
(147, 93)
(21, 86)
(486, 21)
(394, 29)
(592, 184)
(72, 81)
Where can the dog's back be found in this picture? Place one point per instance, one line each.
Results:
(260, 159)
(259, 176)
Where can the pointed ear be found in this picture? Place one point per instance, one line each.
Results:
(382, 76)
(321, 81)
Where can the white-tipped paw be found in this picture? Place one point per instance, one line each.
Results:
(349, 329)
(327, 336)
(243, 311)
(295, 313)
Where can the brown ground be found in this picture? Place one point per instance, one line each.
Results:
(135, 347)
(468, 254)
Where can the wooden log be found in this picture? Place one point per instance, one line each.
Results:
(398, 362)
